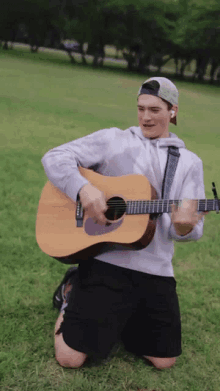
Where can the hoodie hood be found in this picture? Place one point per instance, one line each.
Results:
(173, 140)
(155, 171)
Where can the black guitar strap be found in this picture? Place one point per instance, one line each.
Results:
(172, 161)
(170, 169)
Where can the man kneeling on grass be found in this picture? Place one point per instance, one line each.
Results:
(123, 294)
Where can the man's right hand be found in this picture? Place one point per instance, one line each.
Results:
(93, 201)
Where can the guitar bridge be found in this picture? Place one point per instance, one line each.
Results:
(79, 214)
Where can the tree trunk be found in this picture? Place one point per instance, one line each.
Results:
(184, 63)
(214, 66)
(5, 46)
(72, 59)
(34, 48)
(130, 60)
(204, 67)
(201, 66)
(130, 64)
(141, 63)
(95, 59)
(101, 62)
(83, 58)
(176, 60)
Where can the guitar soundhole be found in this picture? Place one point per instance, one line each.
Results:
(116, 208)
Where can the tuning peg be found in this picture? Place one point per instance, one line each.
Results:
(215, 196)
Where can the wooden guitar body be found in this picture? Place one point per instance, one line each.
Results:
(57, 233)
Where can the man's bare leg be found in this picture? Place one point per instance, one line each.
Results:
(161, 363)
(66, 356)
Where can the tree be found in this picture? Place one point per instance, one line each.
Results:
(195, 35)
(10, 15)
(146, 32)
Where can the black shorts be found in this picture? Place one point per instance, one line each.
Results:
(110, 304)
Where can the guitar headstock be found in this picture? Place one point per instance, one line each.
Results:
(216, 196)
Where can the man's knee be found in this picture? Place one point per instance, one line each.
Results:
(66, 356)
(75, 360)
(161, 363)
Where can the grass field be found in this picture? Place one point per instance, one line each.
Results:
(44, 104)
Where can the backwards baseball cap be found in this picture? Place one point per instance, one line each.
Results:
(163, 88)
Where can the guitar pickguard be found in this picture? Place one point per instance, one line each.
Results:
(93, 229)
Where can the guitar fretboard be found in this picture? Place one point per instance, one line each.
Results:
(164, 206)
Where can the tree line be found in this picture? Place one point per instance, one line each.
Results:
(148, 32)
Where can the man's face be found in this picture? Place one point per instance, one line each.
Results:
(153, 116)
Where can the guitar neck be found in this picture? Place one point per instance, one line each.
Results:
(164, 206)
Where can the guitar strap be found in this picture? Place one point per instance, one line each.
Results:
(172, 161)
(170, 169)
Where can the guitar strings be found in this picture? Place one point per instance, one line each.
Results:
(122, 205)
(157, 202)
(160, 201)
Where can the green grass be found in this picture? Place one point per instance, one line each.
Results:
(45, 103)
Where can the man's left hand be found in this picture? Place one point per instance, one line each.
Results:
(185, 217)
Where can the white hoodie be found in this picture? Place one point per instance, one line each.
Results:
(114, 152)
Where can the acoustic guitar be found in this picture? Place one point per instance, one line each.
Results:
(65, 231)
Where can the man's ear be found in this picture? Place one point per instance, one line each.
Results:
(175, 108)
(174, 112)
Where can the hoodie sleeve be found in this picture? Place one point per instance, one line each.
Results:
(61, 163)
(192, 188)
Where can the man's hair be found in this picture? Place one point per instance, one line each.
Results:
(169, 105)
